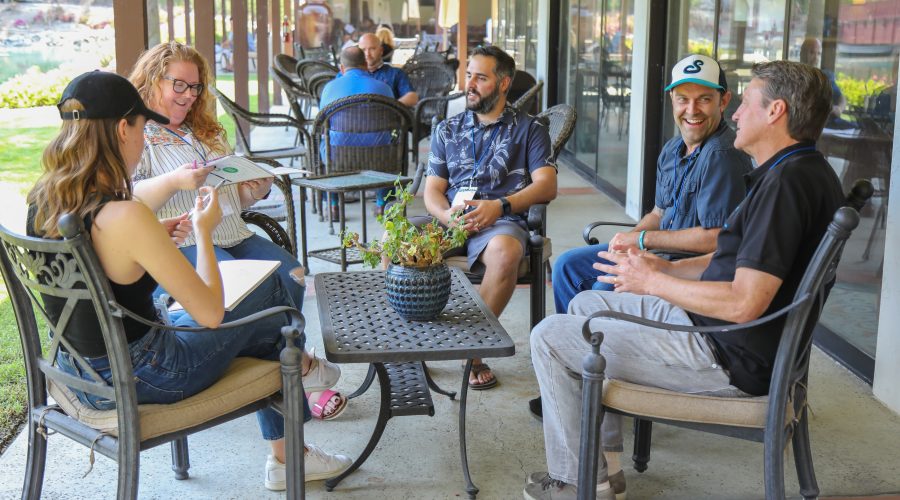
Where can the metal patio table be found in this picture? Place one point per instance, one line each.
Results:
(359, 326)
(341, 183)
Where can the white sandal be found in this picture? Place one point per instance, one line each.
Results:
(322, 374)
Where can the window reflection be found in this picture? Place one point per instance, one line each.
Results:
(598, 84)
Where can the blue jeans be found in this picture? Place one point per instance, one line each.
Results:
(171, 366)
(257, 247)
(573, 272)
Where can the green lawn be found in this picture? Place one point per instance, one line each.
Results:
(20, 157)
(20, 166)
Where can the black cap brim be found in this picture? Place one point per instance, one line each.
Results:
(153, 115)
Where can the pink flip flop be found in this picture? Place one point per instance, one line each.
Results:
(317, 408)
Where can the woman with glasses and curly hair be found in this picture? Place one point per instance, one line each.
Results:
(173, 79)
(87, 171)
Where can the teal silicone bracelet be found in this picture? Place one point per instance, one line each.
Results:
(641, 240)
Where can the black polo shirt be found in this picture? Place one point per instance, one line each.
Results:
(775, 229)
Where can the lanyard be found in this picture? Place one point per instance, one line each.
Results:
(680, 185)
(191, 144)
(808, 148)
(779, 160)
(484, 151)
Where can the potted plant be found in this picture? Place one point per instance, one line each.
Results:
(417, 281)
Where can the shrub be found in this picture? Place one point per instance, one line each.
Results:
(34, 88)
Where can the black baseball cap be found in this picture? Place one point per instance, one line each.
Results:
(105, 95)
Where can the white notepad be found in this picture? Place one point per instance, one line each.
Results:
(239, 278)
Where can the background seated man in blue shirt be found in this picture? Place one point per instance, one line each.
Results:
(699, 181)
(495, 163)
(398, 82)
(355, 80)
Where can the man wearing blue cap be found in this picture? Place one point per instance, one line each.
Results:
(699, 181)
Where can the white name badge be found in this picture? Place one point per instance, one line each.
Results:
(463, 195)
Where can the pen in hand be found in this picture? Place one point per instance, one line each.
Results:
(207, 197)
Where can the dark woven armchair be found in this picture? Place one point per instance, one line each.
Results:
(317, 84)
(307, 69)
(298, 99)
(244, 119)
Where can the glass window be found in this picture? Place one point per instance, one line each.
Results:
(516, 32)
(860, 58)
(597, 82)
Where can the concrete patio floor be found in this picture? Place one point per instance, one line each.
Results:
(855, 439)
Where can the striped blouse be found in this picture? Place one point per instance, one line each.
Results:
(164, 152)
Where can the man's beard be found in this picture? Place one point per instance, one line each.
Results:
(486, 103)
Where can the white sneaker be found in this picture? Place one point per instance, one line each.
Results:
(321, 465)
(322, 374)
(317, 463)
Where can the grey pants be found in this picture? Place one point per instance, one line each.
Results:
(676, 361)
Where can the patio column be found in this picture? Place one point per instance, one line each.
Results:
(462, 42)
(129, 16)
(205, 31)
(276, 46)
(239, 55)
(262, 53)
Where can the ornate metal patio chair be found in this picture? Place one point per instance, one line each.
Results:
(41, 274)
(773, 420)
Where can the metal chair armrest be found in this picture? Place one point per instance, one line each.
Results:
(296, 318)
(586, 233)
(537, 218)
(588, 334)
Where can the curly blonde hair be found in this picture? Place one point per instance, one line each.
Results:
(83, 168)
(149, 71)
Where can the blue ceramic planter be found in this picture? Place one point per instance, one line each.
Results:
(417, 293)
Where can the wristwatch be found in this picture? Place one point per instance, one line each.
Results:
(507, 208)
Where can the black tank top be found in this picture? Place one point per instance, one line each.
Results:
(83, 331)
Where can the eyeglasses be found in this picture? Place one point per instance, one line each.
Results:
(180, 86)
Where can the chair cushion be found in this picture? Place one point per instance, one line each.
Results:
(246, 380)
(661, 403)
(462, 262)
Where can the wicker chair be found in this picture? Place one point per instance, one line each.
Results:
(521, 84)
(363, 114)
(530, 101)
(324, 53)
(300, 101)
(430, 79)
(773, 420)
(317, 84)
(287, 65)
(307, 69)
(561, 120)
(243, 119)
(37, 271)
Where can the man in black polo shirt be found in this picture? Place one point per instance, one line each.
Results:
(762, 252)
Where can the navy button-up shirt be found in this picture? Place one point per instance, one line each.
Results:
(507, 152)
(700, 189)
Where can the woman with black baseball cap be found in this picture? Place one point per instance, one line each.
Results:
(87, 171)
